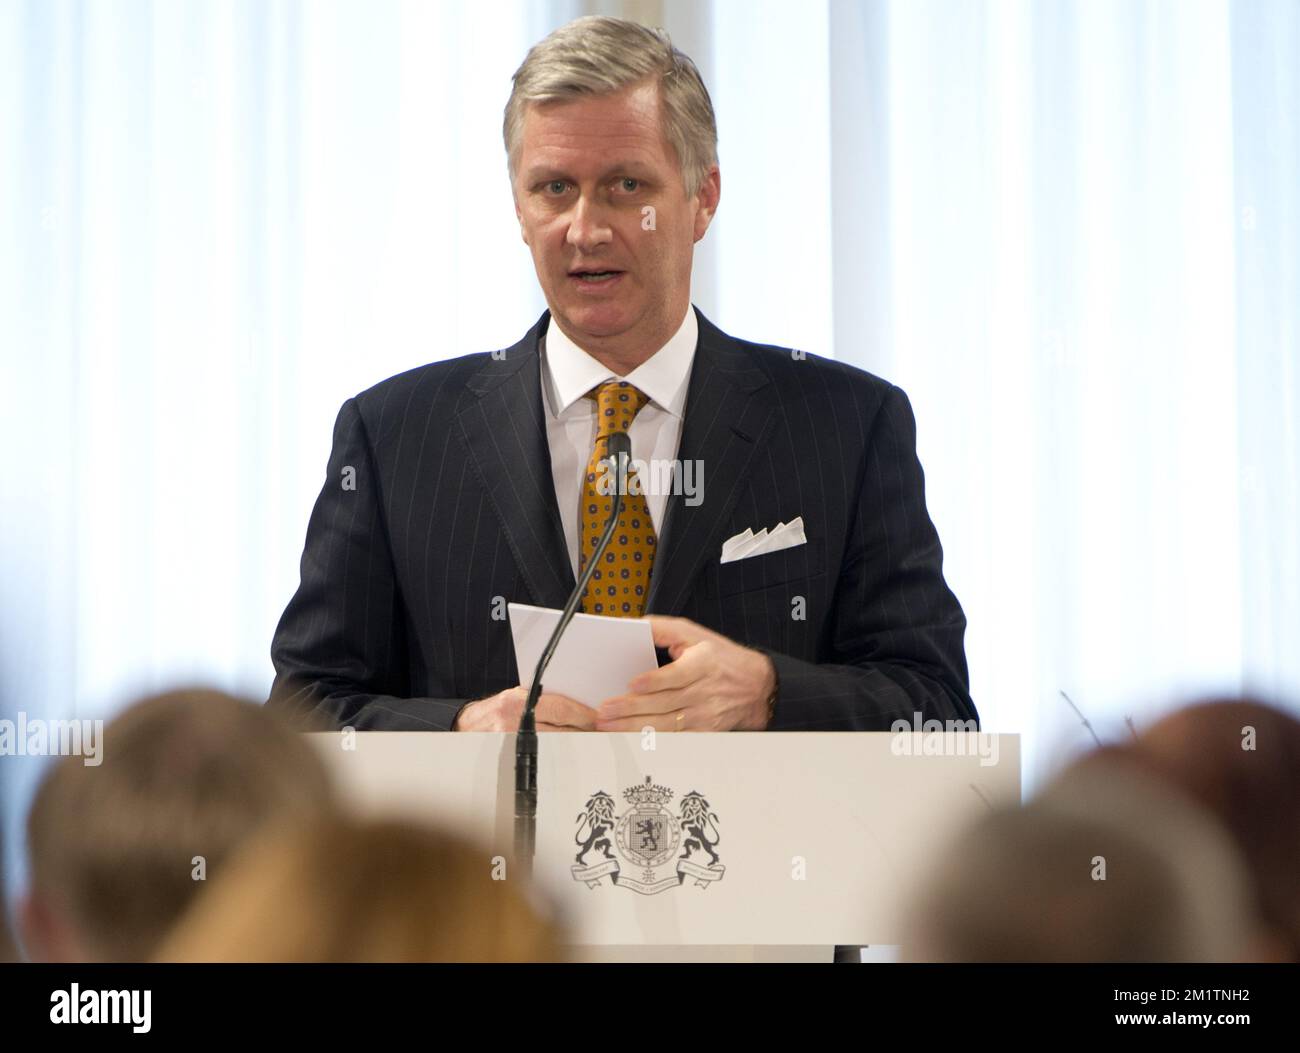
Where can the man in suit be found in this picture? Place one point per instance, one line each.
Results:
(461, 485)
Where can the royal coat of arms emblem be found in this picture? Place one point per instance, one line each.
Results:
(647, 837)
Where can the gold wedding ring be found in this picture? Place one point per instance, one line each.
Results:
(681, 715)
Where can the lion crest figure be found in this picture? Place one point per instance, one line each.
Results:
(594, 822)
(697, 820)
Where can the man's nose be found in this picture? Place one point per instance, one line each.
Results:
(588, 225)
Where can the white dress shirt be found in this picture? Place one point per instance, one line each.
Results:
(568, 373)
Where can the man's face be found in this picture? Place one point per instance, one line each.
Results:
(603, 208)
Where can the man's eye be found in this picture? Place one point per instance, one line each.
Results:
(556, 186)
(629, 184)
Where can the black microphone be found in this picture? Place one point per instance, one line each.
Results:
(619, 451)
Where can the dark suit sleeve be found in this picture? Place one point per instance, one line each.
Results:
(896, 628)
(340, 648)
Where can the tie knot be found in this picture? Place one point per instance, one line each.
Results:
(617, 404)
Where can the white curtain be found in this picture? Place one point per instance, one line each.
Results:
(1068, 230)
(220, 220)
(1071, 232)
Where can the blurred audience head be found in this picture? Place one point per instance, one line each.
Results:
(1240, 760)
(118, 851)
(1107, 865)
(8, 951)
(355, 890)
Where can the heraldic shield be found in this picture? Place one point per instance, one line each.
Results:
(647, 837)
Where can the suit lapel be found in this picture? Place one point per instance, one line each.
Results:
(504, 424)
(729, 409)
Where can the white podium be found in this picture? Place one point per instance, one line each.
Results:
(772, 846)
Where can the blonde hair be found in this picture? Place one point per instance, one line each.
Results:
(598, 55)
(184, 775)
(354, 890)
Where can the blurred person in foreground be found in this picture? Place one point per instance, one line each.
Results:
(1109, 864)
(119, 851)
(358, 890)
(8, 952)
(1240, 760)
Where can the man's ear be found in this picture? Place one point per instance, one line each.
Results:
(706, 199)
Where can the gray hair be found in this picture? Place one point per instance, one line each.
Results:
(598, 55)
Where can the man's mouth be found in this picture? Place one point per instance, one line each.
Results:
(594, 277)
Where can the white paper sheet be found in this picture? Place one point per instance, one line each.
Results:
(596, 658)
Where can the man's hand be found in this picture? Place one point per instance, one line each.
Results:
(503, 711)
(712, 684)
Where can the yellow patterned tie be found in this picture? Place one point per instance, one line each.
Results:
(618, 587)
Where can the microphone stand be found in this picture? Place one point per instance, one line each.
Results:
(620, 451)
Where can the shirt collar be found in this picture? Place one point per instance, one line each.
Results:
(568, 372)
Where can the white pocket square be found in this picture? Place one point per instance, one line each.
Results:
(747, 543)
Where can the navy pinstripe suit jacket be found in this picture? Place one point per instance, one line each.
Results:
(453, 506)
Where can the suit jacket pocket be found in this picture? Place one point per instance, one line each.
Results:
(771, 568)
